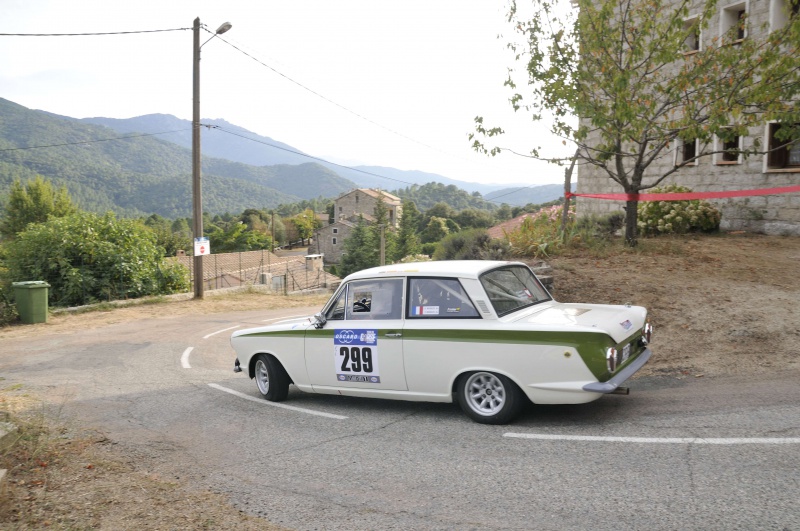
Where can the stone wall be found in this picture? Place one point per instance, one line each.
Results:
(771, 214)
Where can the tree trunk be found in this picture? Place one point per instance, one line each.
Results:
(631, 220)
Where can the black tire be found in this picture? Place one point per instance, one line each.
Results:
(489, 398)
(271, 378)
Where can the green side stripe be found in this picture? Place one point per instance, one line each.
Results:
(590, 346)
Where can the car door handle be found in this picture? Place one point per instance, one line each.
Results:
(393, 334)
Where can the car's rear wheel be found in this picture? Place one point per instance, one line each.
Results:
(489, 398)
(271, 378)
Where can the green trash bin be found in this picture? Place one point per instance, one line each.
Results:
(31, 299)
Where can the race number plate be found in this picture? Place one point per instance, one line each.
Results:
(355, 355)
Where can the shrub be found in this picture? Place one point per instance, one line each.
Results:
(472, 244)
(599, 226)
(85, 257)
(676, 217)
(428, 248)
(540, 233)
(8, 311)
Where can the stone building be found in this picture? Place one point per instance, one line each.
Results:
(348, 209)
(771, 214)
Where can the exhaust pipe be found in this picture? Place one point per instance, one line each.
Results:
(621, 391)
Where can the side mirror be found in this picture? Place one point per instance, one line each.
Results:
(319, 320)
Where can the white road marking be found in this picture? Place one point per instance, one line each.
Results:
(185, 358)
(658, 440)
(220, 331)
(285, 318)
(276, 404)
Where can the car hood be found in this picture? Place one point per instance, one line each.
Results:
(620, 322)
(280, 326)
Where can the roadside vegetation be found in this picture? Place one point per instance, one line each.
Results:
(86, 257)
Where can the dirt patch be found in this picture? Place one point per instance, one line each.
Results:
(721, 305)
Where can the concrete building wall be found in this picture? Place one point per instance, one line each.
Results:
(358, 202)
(330, 241)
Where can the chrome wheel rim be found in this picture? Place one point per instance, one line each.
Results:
(262, 377)
(485, 393)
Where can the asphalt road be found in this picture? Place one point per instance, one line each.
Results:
(697, 453)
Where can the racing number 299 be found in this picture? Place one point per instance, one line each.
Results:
(356, 359)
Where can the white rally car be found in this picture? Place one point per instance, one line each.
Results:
(486, 334)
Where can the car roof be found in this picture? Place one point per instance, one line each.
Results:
(441, 268)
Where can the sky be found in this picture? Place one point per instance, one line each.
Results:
(375, 82)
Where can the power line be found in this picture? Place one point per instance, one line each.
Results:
(230, 132)
(88, 34)
(222, 129)
(92, 141)
(315, 93)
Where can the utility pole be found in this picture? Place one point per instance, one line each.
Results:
(197, 194)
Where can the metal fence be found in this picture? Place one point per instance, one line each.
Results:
(279, 274)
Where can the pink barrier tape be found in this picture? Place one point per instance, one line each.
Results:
(689, 195)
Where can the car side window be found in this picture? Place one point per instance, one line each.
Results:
(369, 300)
(336, 311)
(439, 298)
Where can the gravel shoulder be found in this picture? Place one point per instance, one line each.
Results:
(722, 305)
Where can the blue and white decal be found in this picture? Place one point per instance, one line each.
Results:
(355, 354)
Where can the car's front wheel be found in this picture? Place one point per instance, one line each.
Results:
(489, 398)
(271, 378)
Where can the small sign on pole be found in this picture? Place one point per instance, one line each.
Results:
(201, 246)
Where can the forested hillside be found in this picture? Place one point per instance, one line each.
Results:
(142, 175)
(228, 141)
(427, 195)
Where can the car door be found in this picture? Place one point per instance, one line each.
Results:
(360, 345)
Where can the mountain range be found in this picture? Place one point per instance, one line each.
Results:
(149, 170)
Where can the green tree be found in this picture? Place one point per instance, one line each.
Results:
(305, 222)
(33, 202)
(166, 238)
(503, 213)
(624, 68)
(237, 238)
(471, 218)
(408, 243)
(87, 257)
(435, 230)
(360, 251)
(381, 215)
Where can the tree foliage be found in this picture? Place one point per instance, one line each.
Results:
(360, 251)
(623, 67)
(408, 243)
(234, 237)
(86, 257)
(33, 202)
(427, 195)
(472, 244)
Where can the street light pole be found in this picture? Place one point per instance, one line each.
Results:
(197, 192)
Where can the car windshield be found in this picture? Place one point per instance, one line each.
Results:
(512, 288)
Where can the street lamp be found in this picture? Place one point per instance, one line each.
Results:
(197, 194)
